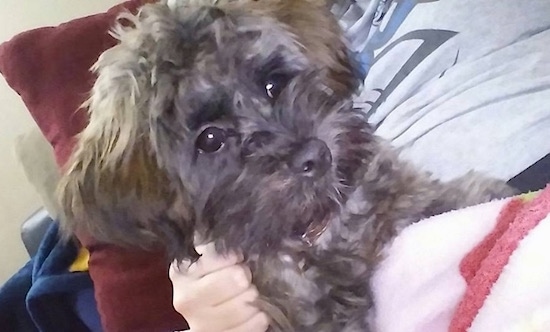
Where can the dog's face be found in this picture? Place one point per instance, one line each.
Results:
(233, 121)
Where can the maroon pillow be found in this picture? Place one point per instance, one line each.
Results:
(49, 69)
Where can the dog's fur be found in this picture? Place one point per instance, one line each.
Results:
(137, 177)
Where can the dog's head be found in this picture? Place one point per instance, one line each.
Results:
(231, 119)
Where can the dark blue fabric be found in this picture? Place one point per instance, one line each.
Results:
(535, 177)
(55, 299)
(13, 311)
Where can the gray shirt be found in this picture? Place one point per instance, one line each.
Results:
(457, 84)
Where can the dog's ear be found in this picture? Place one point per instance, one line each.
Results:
(113, 188)
(322, 37)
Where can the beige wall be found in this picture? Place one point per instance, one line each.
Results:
(17, 198)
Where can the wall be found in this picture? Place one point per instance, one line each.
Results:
(17, 198)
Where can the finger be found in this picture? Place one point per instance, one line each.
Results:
(229, 314)
(210, 290)
(212, 261)
(209, 262)
(223, 285)
(258, 323)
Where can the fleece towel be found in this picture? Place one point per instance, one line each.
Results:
(45, 296)
(14, 316)
(483, 268)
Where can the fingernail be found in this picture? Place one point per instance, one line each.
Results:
(235, 256)
(204, 248)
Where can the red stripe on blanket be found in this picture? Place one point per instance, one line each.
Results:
(483, 265)
(471, 264)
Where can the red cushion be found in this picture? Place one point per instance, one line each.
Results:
(132, 290)
(49, 69)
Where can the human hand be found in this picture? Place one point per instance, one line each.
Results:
(214, 294)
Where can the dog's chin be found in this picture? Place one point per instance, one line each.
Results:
(264, 214)
(319, 206)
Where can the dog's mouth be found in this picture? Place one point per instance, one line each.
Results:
(312, 230)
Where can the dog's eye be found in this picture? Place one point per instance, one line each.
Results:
(275, 84)
(211, 140)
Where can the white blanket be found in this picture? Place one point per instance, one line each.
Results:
(481, 269)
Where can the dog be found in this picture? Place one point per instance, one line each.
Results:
(233, 122)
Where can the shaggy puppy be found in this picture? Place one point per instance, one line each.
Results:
(233, 120)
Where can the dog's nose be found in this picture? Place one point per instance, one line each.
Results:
(313, 159)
